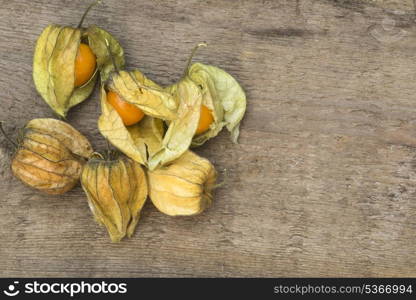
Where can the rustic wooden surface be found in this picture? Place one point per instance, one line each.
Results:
(322, 182)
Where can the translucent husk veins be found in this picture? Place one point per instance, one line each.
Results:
(116, 189)
(178, 105)
(54, 63)
(183, 187)
(142, 140)
(50, 156)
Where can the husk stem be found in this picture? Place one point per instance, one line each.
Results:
(110, 155)
(87, 11)
(109, 151)
(96, 154)
(224, 181)
(193, 52)
(6, 136)
(59, 117)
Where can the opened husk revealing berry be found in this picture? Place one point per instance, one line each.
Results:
(67, 62)
(122, 96)
(195, 109)
(209, 99)
(50, 155)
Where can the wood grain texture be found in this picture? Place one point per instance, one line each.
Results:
(323, 182)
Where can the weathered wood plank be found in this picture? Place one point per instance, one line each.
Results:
(322, 182)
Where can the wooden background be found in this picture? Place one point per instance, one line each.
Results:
(323, 182)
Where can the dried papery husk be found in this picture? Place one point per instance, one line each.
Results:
(223, 95)
(144, 139)
(201, 85)
(101, 41)
(183, 187)
(116, 189)
(180, 132)
(50, 156)
(54, 63)
(142, 92)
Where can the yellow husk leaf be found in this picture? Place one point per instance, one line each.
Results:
(223, 95)
(179, 135)
(143, 140)
(71, 138)
(116, 191)
(202, 85)
(54, 64)
(184, 187)
(112, 128)
(137, 89)
(50, 156)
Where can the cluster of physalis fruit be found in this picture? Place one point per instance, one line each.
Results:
(150, 127)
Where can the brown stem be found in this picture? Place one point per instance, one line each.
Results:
(108, 149)
(6, 136)
(96, 154)
(87, 11)
(224, 181)
(188, 64)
